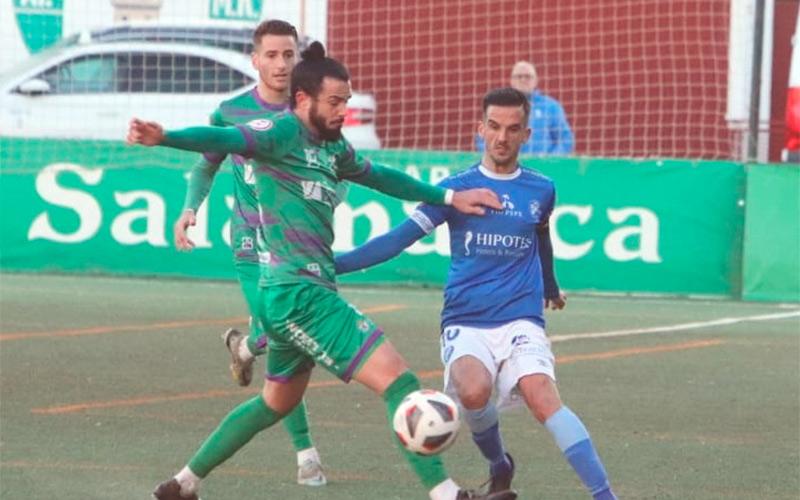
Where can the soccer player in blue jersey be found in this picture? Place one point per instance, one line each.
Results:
(500, 279)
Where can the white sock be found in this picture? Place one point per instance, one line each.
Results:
(244, 351)
(308, 454)
(188, 480)
(446, 490)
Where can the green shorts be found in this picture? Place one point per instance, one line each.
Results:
(309, 324)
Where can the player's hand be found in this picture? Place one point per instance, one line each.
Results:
(556, 303)
(145, 133)
(182, 241)
(473, 201)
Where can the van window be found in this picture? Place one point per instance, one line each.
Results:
(82, 75)
(176, 74)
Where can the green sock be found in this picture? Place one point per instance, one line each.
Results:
(296, 424)
(429, 470)
(235, 430)
(248, 281)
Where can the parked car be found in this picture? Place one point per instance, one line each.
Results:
(90, 84)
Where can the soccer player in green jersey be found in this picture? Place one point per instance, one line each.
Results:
(274, 56)
(300, 157)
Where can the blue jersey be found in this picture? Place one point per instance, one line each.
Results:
(495, 273)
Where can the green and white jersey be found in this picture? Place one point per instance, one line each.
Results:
(242, 109)
(297, 176)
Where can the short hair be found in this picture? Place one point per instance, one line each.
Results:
(273, 27)
(507, 96)
(308, 74)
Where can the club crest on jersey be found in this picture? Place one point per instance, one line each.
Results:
(260, 124)
(362, 325)
(534, 208)
(246, 243)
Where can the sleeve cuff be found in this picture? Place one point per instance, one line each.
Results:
(448, 197)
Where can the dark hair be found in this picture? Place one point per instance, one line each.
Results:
(507, 96)
(273, 27)
(308, 74)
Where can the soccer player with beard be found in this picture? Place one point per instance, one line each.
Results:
(299, 159)
(274, 56)
(501, 278)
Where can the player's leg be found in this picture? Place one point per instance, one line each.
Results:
(387, 374)
(235, 430)
(470, 372)
(244, 349)
(341, 339)
(532, 365)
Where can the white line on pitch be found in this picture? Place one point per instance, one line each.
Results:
(674, 328)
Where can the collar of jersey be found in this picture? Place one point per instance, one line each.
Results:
(267, 105)
(500, 177)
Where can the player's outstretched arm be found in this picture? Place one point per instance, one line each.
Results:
(380, 249)
(400, 185)
(200, 139)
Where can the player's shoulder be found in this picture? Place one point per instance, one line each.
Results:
(463, 179)
(532, 176)
(243, 98)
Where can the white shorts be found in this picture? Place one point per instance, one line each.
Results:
(509, 352)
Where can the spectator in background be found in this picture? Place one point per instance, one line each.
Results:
(550, 131)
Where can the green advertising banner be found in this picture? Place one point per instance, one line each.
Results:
(772, 233)
(619, 225)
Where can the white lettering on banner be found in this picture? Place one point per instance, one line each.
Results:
(634, 233)
(344, 223)
(154, 215)
(84, 205)
(614, 246)
(562, 249)
(438, 174)
(647, 233)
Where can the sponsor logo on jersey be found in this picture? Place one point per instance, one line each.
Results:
(260, 124)
(362, 325)
(496, 244)
(509, 209)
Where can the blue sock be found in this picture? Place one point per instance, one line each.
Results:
(574, 442)
(486, 435)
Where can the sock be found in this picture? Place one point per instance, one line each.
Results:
(486, 434)
(245, 351)
(307, 454)
(188, 480)
(235, 430)
(249, 275)
(575, 443)
(446, 490)
(429, 469)
(296, 425)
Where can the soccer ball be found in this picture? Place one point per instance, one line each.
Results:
(426, 422)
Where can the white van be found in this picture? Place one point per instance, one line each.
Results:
(89, 85)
